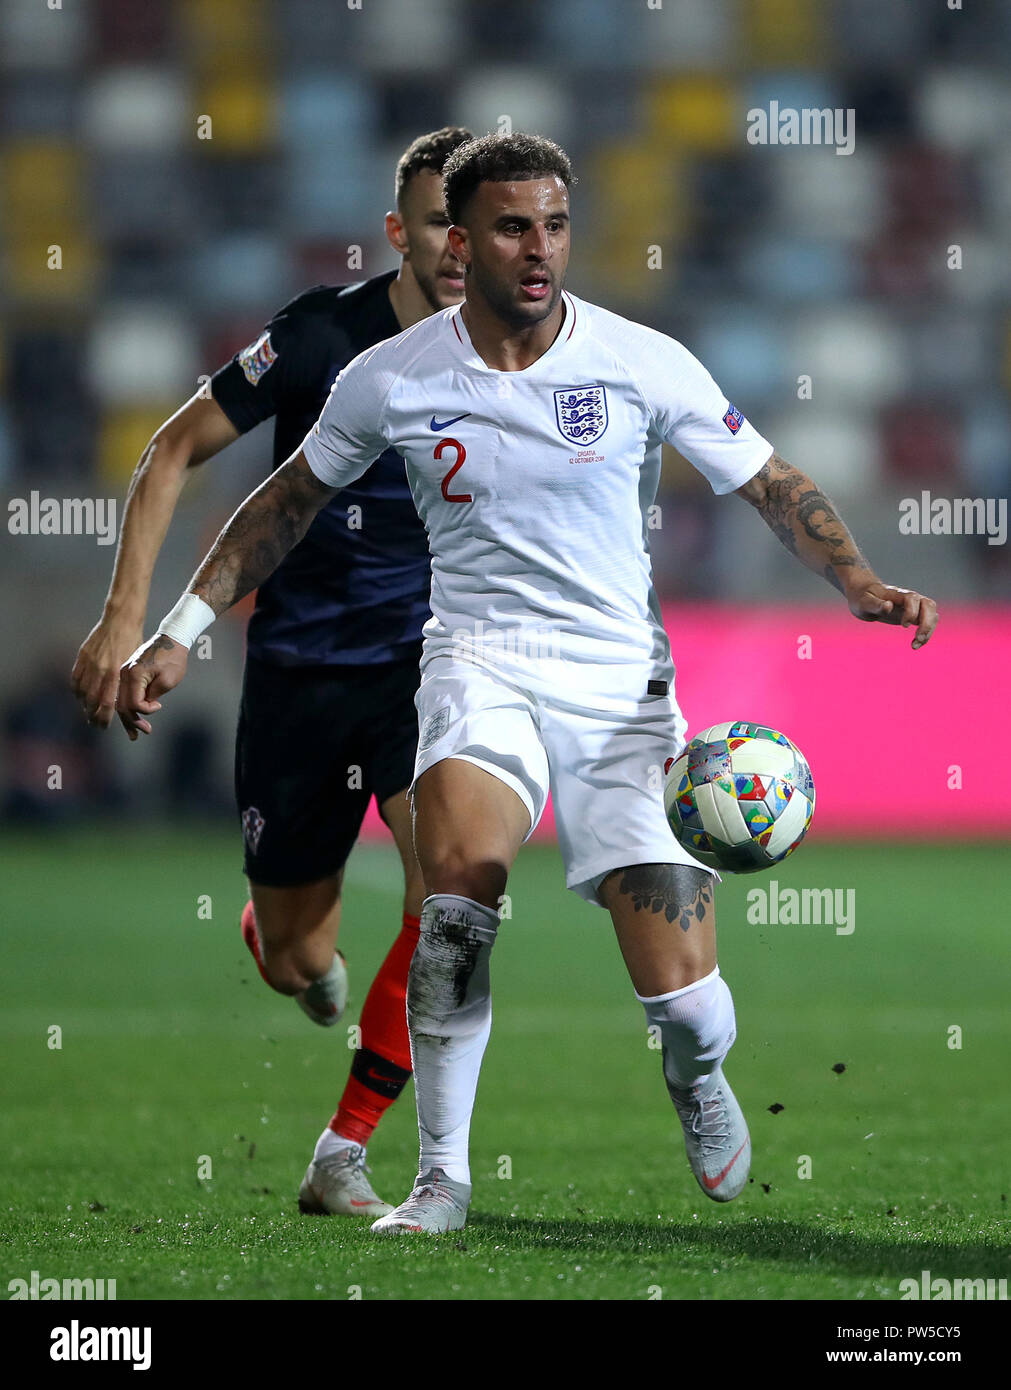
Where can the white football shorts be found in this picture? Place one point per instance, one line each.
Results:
(604, 766)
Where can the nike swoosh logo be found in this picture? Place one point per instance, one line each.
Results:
(713, 1183)
(438, 425)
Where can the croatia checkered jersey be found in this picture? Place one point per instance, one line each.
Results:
(535, 486)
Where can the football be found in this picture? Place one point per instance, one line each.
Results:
(740, 797)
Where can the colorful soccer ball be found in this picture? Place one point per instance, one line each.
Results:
(740, 797)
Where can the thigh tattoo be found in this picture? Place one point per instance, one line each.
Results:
(683, 894)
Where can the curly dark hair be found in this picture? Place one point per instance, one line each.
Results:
(428, 152)
(501, 159)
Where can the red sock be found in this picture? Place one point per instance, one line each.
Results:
(251, 939)
(382, 1064)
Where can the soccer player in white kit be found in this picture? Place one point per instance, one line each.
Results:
(531, 423)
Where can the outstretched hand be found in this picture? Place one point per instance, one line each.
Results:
(156, 667)
(876, 602)
(95, 677)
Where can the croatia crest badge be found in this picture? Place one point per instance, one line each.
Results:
(252, 827)
(257, 358)
(581, 412)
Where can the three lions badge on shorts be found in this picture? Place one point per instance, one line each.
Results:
(581, 412)
(433, 728)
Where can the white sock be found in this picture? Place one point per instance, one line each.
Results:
(328, 995)
(330, 1143)
(449, 1018)
(697, 1029)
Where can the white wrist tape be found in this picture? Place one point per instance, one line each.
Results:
(187, 620)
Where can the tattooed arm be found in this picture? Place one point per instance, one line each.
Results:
(270, 521)
(799, 514)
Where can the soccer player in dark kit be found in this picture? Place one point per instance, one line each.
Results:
(332, 662)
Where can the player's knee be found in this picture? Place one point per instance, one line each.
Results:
(482, 879)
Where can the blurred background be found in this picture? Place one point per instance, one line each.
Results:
(854, 307)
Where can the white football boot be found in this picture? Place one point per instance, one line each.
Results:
(436, 1204)
(337, 1186)
(716, 1137)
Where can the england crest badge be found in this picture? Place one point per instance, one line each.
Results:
(581, 412)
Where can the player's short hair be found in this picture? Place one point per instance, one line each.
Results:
(428, 152)
(501, 159)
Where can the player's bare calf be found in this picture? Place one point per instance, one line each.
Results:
(665, 921)
(323, 999)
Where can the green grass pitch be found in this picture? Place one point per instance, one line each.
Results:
(173, 1052)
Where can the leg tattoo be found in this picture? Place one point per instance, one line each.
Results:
(683, 894)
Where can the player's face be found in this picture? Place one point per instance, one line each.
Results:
(516, 248)
(423, 224)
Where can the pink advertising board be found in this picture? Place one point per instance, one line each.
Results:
(889, 732)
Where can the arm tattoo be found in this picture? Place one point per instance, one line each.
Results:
(803, 519)
(270, 521)
(160, 643)
(684, 895)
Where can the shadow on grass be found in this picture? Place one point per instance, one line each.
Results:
(766, 1239)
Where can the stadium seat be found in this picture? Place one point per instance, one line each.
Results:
(787, 32)
(243, 109)
(224, 269)
(839, 446)
(137, 108)
(222, 36)
(921, 444)
(138, 352)
(401, 34)
(652, 179)
(37, 38)
(854, 353)
(124, 31)
(327, 109)
(488, 93)
(124, 433)
(694, 113)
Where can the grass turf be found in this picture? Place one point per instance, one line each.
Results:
(173, 1053)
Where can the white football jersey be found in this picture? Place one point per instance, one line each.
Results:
(535, 485)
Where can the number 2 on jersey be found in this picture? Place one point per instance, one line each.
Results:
(461, 454)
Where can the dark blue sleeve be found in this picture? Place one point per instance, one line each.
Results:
(284, 368)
